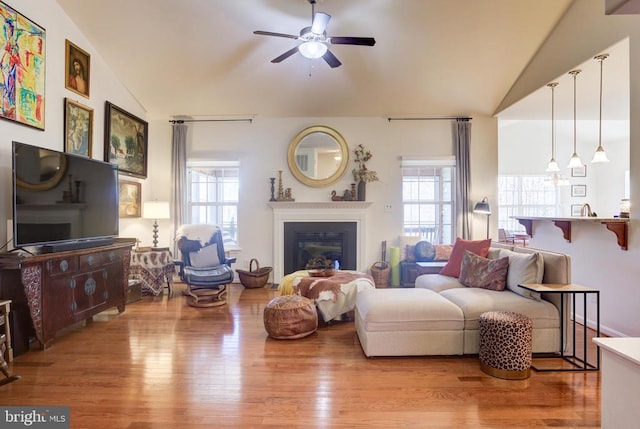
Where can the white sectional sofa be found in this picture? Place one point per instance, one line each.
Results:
(440, 316)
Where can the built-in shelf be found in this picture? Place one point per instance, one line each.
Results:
(618, 226)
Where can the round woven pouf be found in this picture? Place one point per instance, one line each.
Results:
(289, 317)
(505, 344)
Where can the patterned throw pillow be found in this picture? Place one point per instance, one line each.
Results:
(443, 252)
(409, 254)
(483, 273)
(479, 247)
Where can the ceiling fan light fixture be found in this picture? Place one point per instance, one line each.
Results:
(312, 49)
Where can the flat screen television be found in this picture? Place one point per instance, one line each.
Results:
(62, 201)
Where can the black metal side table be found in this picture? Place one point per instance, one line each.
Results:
(578, 363)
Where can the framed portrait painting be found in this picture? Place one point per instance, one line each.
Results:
(77, 69)
(125, 141)
(78, 128)
(22, 68)
(129, 198)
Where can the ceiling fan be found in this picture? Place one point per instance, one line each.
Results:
(315, 43)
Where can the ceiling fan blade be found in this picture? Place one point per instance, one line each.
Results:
(285, 55)
(363, 41)
(320, 21)
(269, 33)
(331, 60)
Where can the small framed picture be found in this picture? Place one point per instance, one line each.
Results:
(578, 190)
(78, 128)
(576, 210)
(77, 69)
(579, 171)
(129, 198)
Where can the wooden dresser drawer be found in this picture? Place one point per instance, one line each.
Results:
(62, 265)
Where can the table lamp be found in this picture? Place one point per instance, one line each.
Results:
(156, 210)
(483, 207)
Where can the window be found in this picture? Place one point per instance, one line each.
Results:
(212, 196)
(525, 196)
(428, 199)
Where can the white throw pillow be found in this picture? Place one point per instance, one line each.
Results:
(205, 257)
(523, 268)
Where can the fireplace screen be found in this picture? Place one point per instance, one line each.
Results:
(305, 241)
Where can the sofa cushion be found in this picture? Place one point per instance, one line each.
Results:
(482, 272)
(407, 310)
(479, 247)
(474, 301)
(437, 282)
(523, 268)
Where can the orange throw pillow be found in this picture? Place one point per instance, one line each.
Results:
(479, 247)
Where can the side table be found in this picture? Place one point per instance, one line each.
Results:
(431, 267)
(578, 363)
(153, 268)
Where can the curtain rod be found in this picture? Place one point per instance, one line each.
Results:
(441, 118)
(182, 121)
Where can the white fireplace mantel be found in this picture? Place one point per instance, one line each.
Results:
(327, 211)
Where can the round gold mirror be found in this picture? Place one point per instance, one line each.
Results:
(46, 168)
(318, 156)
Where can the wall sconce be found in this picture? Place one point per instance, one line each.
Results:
(625, 208)
(156, 210)
(483, 207)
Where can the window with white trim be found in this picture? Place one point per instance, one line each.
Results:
(525, 196)
(428, 199)
(213, 191)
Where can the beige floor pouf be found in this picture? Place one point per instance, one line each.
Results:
(505, 344)
(289, 317)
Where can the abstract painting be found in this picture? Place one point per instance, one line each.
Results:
(22, 68)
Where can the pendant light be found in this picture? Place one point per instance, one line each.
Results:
(600, 155)
(553, 165)
(575, 159)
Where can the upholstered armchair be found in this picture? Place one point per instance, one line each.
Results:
(204, 266)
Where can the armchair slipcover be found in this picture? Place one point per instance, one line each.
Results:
(204, 267)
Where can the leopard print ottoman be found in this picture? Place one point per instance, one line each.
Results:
(505, 344)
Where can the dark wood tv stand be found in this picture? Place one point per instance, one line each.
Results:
(60, 289)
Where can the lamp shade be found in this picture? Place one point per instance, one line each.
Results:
(482, 207)
(156, 210)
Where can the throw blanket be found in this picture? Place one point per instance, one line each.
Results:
(333, 295)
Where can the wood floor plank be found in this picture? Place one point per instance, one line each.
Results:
(162, 364)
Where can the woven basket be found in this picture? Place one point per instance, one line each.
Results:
(254, 278)
(380, 273)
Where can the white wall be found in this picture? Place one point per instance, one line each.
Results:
(525, 148)
(261, 148)
(104, 86)
(597, 260)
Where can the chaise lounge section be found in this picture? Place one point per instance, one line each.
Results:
(440, 316)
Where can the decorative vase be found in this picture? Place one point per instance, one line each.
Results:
(362, 190)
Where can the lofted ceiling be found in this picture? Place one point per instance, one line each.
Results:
(200, 58)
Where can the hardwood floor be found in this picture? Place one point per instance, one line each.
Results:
(162, 364)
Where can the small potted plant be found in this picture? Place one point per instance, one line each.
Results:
(362, 175)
